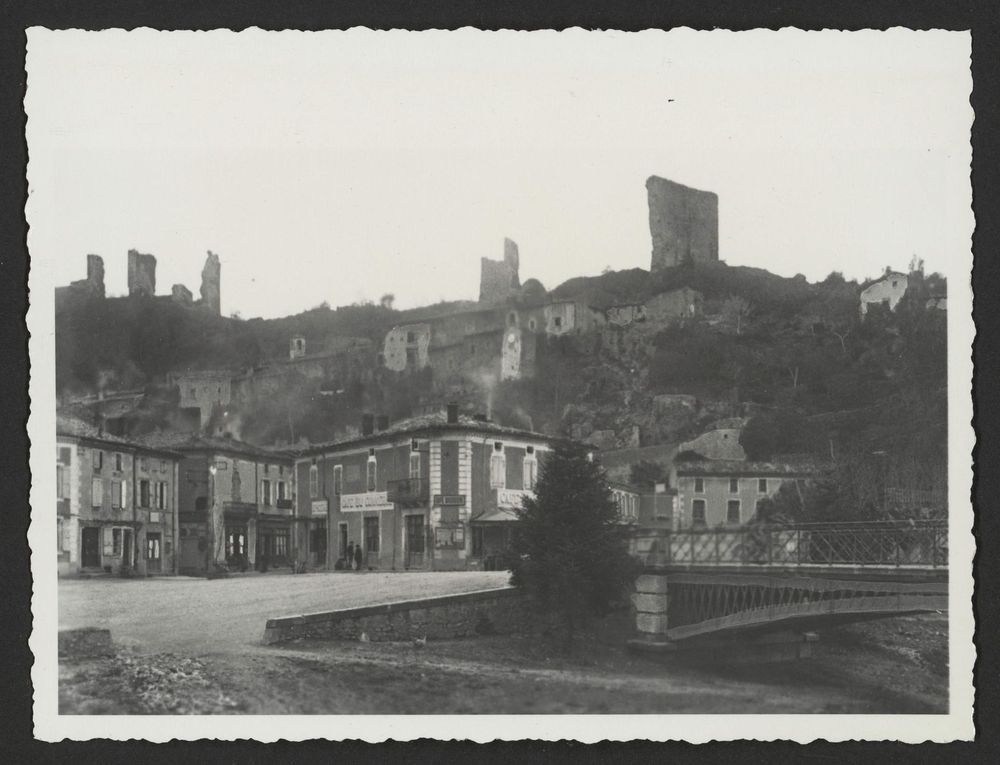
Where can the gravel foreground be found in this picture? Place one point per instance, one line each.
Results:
(888, 666)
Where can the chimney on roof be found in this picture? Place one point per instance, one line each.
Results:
(367, 424)
(382, 422)
(452, 413)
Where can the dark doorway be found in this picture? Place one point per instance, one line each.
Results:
(153, 553)
(342, 547)
(91, 557)
(415, 541)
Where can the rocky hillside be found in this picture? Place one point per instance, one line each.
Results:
(793, 357)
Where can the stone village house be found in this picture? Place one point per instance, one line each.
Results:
(714, 493)
(235, 505)
(436, 492)
(116, 503)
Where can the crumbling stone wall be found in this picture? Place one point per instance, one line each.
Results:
(92, 286)
(181, 294)
(499, 279)
(211, 284)
(141, 274)
(683, 223)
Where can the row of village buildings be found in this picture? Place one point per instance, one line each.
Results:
(437, 492)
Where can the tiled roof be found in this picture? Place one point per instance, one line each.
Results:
(195, 442)
(745, 468)
(67, 425)
(429, 422)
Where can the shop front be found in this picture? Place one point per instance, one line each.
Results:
(492, 539)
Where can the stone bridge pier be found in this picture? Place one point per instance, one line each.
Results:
(651, 601)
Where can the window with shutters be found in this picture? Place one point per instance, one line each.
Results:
(97, 492)
(698, 512)
(161, 495)
(498, 467)
(338, 479)
(116, 494)
(530, 471)
(265, 491)
(733, 512)
(313, 481)
(414, 465)
(281, 490)
(143, 493)
(118, 461)
(97, 459)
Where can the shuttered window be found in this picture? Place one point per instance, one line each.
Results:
(313, 481)
(97, 492)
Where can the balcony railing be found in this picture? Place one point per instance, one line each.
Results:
(408, 491)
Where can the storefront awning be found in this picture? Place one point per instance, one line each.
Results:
(500, 515)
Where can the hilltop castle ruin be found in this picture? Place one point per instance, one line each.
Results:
(142, 282)
(683, 223)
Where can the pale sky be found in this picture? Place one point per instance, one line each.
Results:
(340, 166)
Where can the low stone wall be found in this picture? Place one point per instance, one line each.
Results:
(485, 612)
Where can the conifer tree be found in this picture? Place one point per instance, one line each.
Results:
(573, 559)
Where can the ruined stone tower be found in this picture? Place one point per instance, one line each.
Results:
(141, 273)
(499, 279)
(683, 222)
(211, 284)
(95, 274)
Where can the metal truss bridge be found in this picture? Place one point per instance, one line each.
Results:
(701, 582)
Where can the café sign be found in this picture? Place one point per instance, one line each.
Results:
(372, 500)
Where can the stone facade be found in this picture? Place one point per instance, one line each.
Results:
(682, 303)
(236, 505)
(499, 279)
(141, 274)
(181, 294)
(211, 284)
(683, 223)
(624, 315)
(887, 291)
(424, 494)
(406, 347)
(91, 287)
(116, 503)
(202, 390)
(726, 493)
(717, 444)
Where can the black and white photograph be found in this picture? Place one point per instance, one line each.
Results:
(559, 385)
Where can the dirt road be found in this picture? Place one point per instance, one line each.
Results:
(192, 617)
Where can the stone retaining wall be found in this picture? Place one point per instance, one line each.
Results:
(485, 612)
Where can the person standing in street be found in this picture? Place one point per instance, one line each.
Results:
(358, 557)
(350, 557)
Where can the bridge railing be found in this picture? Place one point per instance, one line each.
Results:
(885, 543)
